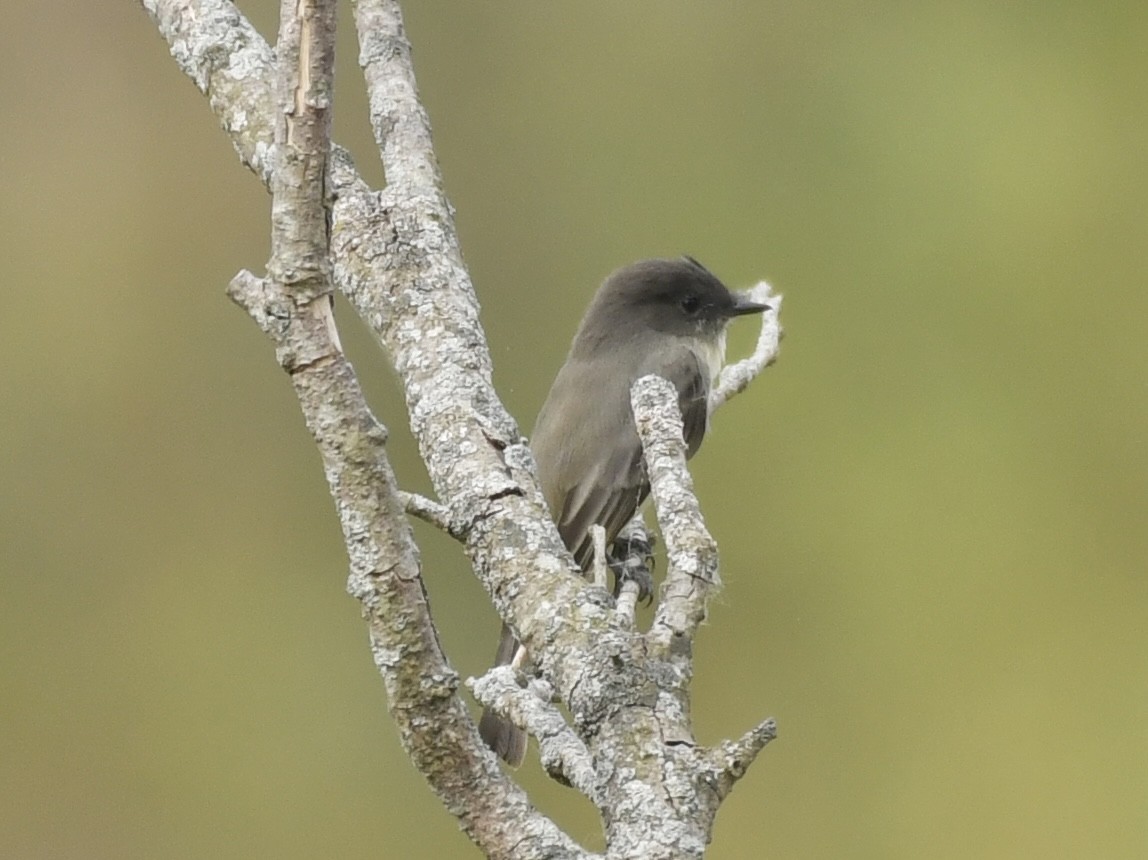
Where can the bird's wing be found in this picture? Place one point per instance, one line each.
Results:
(609, 493)
(693, 384)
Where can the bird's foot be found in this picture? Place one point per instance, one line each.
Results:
(632, 560)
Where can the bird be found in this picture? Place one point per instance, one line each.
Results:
(660, 316)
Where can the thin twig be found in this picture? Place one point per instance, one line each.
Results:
(634, 568)
(598, 566)
(627, 602)
(733, 758)
(429, 511)
(736, 377)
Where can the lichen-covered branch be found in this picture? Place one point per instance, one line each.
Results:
(736, 377)
(692, 573)
(563, 753)
(300, 265)
(422, 688)
(241, 88)
(733, 758)
(293, 306)
(398, 118)
(395, 255)
(692, 578)
(429, 511)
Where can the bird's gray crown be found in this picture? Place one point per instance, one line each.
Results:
(673, 296)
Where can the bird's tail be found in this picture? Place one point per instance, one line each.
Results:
(502, 736)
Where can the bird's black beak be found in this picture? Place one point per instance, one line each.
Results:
(743, 304)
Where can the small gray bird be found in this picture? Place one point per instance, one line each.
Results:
(666, 317)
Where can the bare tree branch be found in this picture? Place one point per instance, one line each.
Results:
(400, 123)
(735, 378)
(598, 566)
(693, 563)
(692, 577)
(293, 306)
(395, 255)
(563, 753)
(733, 758)
(429, 511)
(627, 604)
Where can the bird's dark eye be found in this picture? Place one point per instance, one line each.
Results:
(690, 304)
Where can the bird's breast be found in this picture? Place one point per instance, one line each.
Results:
(711, 354)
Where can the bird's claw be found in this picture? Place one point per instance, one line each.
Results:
(632, 560)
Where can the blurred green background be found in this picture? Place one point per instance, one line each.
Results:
(932, 510)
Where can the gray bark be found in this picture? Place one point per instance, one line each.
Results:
(395, 255)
